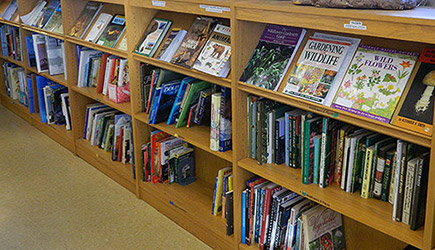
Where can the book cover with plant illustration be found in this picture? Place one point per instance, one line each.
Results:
(374, 82)
(272, 56)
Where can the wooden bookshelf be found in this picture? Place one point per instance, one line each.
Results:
(365, 220)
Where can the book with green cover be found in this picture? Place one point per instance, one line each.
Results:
(312, 127)
(112, 32)
(192, 96)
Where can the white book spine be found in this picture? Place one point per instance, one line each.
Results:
(270, 138)
(98, 28)
(344, 165)
(393, 180)
(215, 121)
(350, 165)
(107, 74)
(409, 186)
(399, 149)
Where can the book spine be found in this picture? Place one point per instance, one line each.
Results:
(225, 129)
(387, 176)
(409, 185)
(269, 229)
(317, 150)
(339, 157)
(277, 151)
(322, 171)
(215, 122)
(243, 225)
(259, 139)
(417, 204)
(393, 180)
(287, 133)
(270, 137)
(378, 177)
(367, 173)
(306, 153)
(400, 190)
(229, 213)
(345, 162)
(399, 148)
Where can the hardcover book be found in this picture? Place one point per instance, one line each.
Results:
(163, 102)
(98, 27)
(415, 111)
(112, 32)
(215, 56)
(320, 68)
(153, 36)
(374, 82)
(85, 19)
(54, 55)
(194, 41)
(171, 44)
(55, 22)
(272, 56)
(49, 11)
(39, 47)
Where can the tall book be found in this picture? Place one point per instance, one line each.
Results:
(272, 56)
(85, 19)
(99, 26)
(415, 109)
(374, 82)
(54, 55)
(39, 47)
(171, 44)
(225, 128)
(320, 68)
(194, 41)
(55, 22)
(153, 36)
(216, 100)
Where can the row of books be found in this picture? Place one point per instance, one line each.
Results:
(167, 159)
(16, 83)
(46, 53)
(184, 101)
(11, 42)
(95, 26)
(107, 73)
(223, 198)
(276, 218)
(329, 151)
(337, 71)
(206, 46)
(47, 16)
(110, 130)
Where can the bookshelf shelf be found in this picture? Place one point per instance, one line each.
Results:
(198, 136)
(121, 173)
(10, 22)
(346, 117)
(411, 25)
(225, 82)
(57, 133)
(95, 46)
(10, 59)
(92, 93)
(189, 206)
(43, 32)
(120, 2)
(348, 204)
(56, 78)
(206, 8)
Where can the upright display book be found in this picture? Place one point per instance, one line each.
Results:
(320, 68)
(272, 56)
(415, 110)
(171, 44)
(215, 57)
(153, 36)
(85, 19)
(48, 12)
(54, 55)
(54, 24)
(10, 10)
(374, 82)
(323, 229)
(39, 47)
(98, 27)
(194, 41)
(113, 31)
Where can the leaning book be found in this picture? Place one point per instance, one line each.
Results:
(374, 82)
(112, 32)
(415, 110)
(272, 56)
(153, 36)
(320, 68)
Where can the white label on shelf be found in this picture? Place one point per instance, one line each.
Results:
(159, 3)
(215, 9)
(356, 25)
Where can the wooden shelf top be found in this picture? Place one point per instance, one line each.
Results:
(43, 32)
(207, 8)
(198, 136)
(95, 46)
(412, 25)
(194, 202)
(348, 204)
(381, 127)
(12, 60)
(225, 82)
(56, 78)
(92, 93)
(9, 22)
(120, 2)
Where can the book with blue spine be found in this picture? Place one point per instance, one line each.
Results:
(225, 128)
(317, 141)
(244, 216)
(41, 82)
(30, 94)
(163, 103)
(30, 51)
(180, 94)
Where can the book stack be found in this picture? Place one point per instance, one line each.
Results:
(107, 73)
(11, 42)
(45, 16)
(223, 198)
(276, 218)
(109, 130)
(185, 101)
(53, 102)
(11, 13)
(16, 82)
(46, 53)
(167, 159)
(329, 151)
(93, 25)
(206, 47)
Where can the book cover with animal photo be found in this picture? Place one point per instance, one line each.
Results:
(272, 56)
(214, 58)
(374, 82)
(153, 36)
(194, 41)
(85, 19)
(415, 111)
(321, 67)
(113, 32)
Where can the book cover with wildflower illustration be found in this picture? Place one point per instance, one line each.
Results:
(415, 109)
(272, 56)
(374, 82)
(319, 69)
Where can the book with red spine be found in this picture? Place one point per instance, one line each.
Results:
(102, 73)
